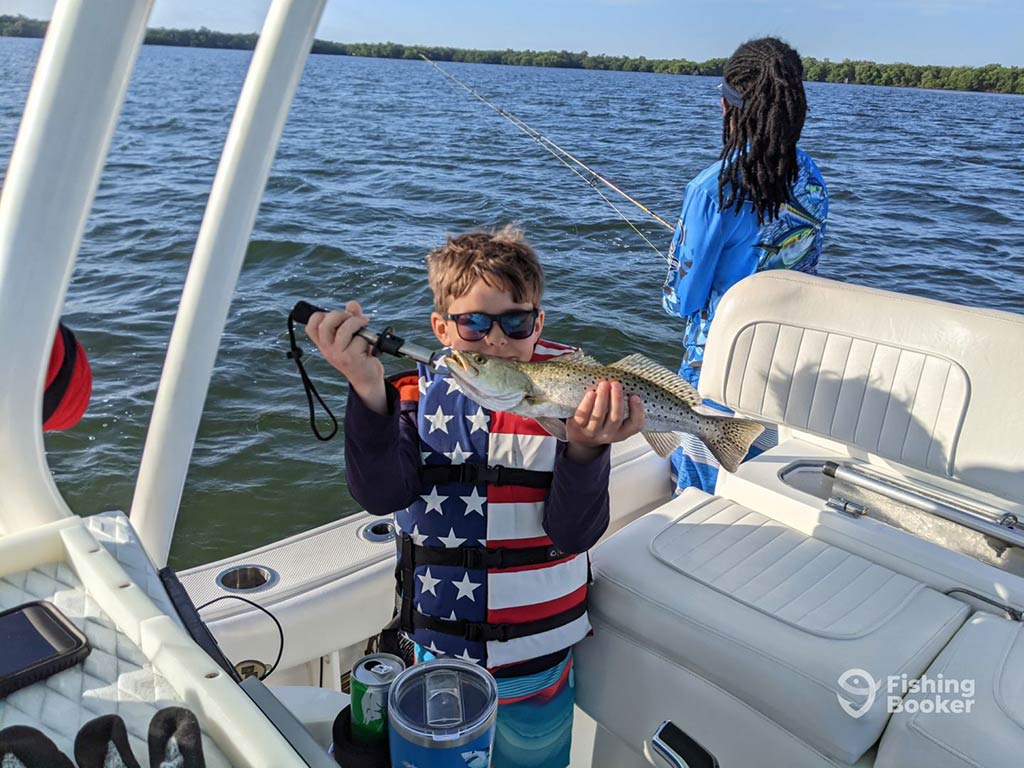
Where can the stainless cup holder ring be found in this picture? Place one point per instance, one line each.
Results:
(248, 577)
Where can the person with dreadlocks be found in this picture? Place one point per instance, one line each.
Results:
(763, 205)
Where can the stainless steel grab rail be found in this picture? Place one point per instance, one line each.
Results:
(1002, 532)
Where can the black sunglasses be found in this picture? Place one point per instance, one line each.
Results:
(474, 326)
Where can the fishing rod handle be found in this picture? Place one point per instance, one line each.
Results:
(386, 342)
(303, 310)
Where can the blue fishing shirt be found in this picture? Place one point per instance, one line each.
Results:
(712, 249)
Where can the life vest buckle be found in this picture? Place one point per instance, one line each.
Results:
(476, 474)
(480, 632)
(474, 558)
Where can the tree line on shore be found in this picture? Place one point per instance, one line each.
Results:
(990, 78)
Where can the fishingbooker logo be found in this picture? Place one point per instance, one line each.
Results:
(925, 695)
(857, 683)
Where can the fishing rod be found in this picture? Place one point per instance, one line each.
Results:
(564, 157)
(385, 342)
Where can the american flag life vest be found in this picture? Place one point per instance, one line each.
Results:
(479, 579)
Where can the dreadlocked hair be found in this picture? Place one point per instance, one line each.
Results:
(759, 139)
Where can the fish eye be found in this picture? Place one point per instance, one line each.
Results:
(478, 358)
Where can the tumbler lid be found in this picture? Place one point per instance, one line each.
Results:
(442, 703)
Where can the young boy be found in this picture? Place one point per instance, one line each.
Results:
(494, 515)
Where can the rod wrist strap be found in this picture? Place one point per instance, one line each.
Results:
(295, 353)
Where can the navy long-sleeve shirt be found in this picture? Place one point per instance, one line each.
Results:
(382, 459)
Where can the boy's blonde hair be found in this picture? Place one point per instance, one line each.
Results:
(502, 259)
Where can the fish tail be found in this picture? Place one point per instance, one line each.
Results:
(729, 439)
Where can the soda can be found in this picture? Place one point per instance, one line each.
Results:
(369, 683)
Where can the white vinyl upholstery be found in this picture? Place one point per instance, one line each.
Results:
(919, 382)
(798, 580)
(614, 664)
(987, 653)
(900, 404)
(763, 613)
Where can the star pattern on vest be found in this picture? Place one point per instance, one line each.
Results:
(439, 420)
(417, 537)
(458, 456)
(434, 649)
(474, 502)
(451, 540)
(466, 657)
(466, 587)
(428, 583)
(453, 385)
(434, 501)
(477, 421)
(424, 455)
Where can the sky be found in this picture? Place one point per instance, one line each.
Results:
(946, 32)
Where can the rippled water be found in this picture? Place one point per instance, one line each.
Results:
(380, 159)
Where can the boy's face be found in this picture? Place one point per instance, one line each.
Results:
(482, 297)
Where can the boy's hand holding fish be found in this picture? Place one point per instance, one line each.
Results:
(605, 415)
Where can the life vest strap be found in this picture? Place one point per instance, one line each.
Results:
(476, 474)
(481, 631)
(484, 558)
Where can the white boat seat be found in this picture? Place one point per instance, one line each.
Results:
(910, 381)
(989, 653)
(763, 612)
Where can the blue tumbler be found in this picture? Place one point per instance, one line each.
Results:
(441, 715)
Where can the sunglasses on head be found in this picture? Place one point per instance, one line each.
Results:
(730, 94)
(474, 326)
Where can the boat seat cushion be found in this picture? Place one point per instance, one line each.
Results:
(984, 665)
(906, 379)
(768, 614)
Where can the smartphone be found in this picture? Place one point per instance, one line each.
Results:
(679, 750)
(36, 641)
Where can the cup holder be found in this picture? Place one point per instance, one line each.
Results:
(379, 530)
(247, 578)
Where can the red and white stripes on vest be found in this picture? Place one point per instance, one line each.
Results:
(479, 577)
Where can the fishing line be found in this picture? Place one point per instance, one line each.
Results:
(564, 157)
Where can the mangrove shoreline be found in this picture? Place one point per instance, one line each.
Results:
(992, 78)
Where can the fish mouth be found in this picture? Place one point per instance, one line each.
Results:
(461, 362)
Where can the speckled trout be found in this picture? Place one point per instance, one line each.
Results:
(552, 390)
